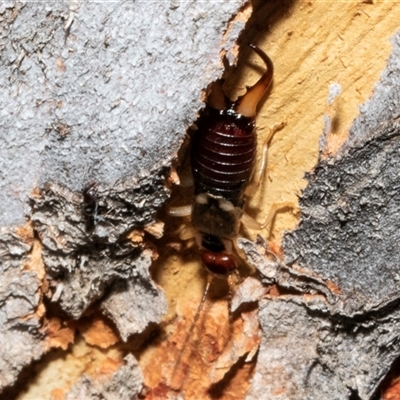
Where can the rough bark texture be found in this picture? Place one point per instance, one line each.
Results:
(124, 384)
(102, 95)
(93, 95)
(342, 344)
(20, 335)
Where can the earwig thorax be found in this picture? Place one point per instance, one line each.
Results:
(216, 217)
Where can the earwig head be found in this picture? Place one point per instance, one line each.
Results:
(247, 104)
(219, 264)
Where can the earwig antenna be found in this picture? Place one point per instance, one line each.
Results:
(196, 317)
(230, 296)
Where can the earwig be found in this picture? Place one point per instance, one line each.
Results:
(223, 156)
(223, 153)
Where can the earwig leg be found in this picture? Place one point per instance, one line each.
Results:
(217, 98)
(186, 180)
(258, 176)
(230, 297)
(273, 211)
(187, 233)
(181, 211)
(251, 223)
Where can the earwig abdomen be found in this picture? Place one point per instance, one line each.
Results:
(223, 154)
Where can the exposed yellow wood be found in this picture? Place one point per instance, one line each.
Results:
(313, 45)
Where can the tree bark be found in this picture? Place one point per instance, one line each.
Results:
(95, 104)
(99, 99)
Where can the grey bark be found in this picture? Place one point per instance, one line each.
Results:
(125, 384)
(20, 338)
(103, 93)
(340, 344)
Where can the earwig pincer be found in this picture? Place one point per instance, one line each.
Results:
(223, 155)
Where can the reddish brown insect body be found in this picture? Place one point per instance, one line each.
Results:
(223, 154)
(223, 158)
